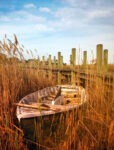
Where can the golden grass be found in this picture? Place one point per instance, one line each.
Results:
(91, 127)
(111, 67)
(15, 83)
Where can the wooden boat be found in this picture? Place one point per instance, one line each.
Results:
(51, 100)
(43, 114)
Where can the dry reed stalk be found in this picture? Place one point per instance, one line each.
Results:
(18, 78)
(15, 82)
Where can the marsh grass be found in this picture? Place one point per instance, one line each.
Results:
(15, 83)
(89, 127)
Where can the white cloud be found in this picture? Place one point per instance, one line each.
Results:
(45, 9)
(43, 28)
(25, 30)
(69, 26)
(35, 18)
(29, 6)
(18, 29)
(4, 18)
(89, 3)
(75, 18)
(69, 18)
(76, 2)
(21, 16)
(99, 13)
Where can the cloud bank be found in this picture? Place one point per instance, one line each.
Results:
(66, 24)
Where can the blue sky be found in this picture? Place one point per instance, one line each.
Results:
(59, 25)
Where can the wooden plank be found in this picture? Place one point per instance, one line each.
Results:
(38, 106)
(32, 106)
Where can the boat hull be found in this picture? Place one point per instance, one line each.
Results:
(48, 130)
(48, 127)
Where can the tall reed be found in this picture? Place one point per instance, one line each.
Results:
(91, 127)
(15, 82)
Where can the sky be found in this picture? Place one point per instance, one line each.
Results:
(50, 26)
